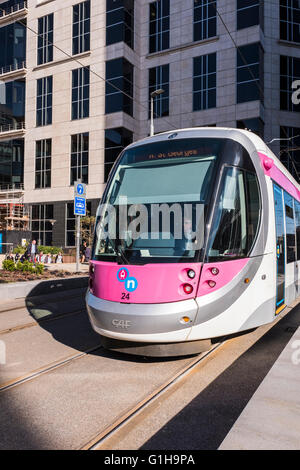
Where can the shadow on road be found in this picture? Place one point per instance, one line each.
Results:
(206, 421)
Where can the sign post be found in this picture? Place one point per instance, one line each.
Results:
(79, 211)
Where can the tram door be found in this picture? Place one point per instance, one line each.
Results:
(280, 248)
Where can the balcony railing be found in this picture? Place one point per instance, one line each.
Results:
(13, 9)
(16, 126)
(13, 187)
(12, 68)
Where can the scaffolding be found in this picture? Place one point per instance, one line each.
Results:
(14, 214)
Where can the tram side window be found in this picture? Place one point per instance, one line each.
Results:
(297, 215)
(236, 216)
(290, 228)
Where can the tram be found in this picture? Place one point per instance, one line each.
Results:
(221, 256)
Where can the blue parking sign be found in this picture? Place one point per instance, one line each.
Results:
(79, 206)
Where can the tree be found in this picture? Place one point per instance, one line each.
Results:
(87, 228)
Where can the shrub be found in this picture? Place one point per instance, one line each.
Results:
(26, 267)
(19, 249)
(39, 268)
(53, 250)
(8, 265)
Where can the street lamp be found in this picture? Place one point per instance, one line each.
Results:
(153, 95)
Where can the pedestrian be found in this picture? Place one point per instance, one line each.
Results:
(82, 252)
(87, 254)
(59, 258)
(31, 251)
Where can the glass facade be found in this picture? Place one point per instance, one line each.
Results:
(289, 72)
(119, 73)
(255, 125)
(115, 141)
(159, 79)
(45, 39)
(290, 20)
(290, 149)
(79, 158)
(205, 19)
(250, 13)
(13, 46)
(120, 22)
(81, 27)
(12, 163)
(12, 103)
(250, 83)
(205, 82)
(159, 27)
(81, 93)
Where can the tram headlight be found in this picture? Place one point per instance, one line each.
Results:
(187, 288)
(191, 273)
(211, 284)
(214, 271)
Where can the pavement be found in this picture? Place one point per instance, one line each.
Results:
(271, 420)
(70, 267)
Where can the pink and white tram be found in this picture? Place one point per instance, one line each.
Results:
(155, 295)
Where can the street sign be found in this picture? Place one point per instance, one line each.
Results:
(80, 206)
(79, 189)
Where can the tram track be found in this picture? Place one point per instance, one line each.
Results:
(128, 418)
(45, 369)
(39, 322)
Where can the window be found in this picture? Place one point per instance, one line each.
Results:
(255, 125)
(236, 218)
(205, 82)
(71, 222)
(159, 79)
(115, 141)
(80, 158)
(119, 73)
(44, 102)
(290, 150)
(205, 19)
(290, 228)
(81, 27)
(12, 163)
(120, 22)
(249, 13)
(43, 164)
(159, 28)
(297, 215)
(290, 20)
(12, 103)
(81, 93)
(13, 45)
(41, 226)
(250, 73)
(289, 72)
(45, 39)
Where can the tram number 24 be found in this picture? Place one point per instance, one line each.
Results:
(125, 296)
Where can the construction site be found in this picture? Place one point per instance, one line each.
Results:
(14, 217)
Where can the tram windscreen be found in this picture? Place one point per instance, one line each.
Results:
(154, 206)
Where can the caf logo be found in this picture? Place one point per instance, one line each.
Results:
(129, 282)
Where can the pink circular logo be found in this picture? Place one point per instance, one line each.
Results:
(122, 274)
